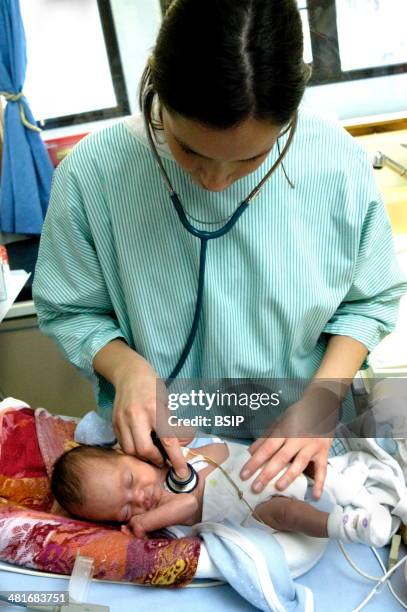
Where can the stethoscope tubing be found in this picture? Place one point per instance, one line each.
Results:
(203, 235)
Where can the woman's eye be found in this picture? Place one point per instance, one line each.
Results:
(188, 151)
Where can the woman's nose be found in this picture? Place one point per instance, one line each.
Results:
(215, 179)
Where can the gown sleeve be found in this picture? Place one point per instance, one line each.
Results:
(369, 310)
(70, 293)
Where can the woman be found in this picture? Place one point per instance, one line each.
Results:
(302, 287)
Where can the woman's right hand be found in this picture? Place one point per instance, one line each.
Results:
(141, 402)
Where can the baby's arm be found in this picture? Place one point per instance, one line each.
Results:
(348, 524)
(180, 509)
(287, 514)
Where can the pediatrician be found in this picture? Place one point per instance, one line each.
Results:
(299, 282)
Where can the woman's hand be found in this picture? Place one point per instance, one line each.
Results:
(141, 402)
(274, 454)
(300, 439)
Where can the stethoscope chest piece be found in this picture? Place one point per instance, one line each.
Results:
(176, 485)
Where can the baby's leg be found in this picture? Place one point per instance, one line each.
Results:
(287, 514)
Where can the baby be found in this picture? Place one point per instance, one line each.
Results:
(364, 481)
(103, 484)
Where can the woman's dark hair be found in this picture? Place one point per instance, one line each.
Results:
(220, 62)
(66, 479)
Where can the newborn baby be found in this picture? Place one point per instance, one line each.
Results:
(103, 484)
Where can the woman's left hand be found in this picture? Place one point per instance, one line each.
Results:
(290, 445)
(274, 454)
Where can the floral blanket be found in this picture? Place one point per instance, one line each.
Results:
(36, 533)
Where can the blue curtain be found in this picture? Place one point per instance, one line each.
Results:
(26, 169)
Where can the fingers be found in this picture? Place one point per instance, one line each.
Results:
(125, 439)
(296, 468)
(135, 438)
(175, 456)
(320, 475)
(262, 454)
(124, 529)
(274, 467)
(135, 525)
(253, 447)
(145, 447)
(139, 401)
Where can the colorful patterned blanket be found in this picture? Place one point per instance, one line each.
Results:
(36, 533)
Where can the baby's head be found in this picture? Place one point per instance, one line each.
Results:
(103, 484)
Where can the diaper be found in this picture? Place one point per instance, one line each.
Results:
(221, 499)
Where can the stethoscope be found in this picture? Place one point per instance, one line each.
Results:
(173, 482)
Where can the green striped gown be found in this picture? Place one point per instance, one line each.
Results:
(301, 263)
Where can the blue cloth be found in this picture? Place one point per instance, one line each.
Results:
(26, 169)
(255, 566)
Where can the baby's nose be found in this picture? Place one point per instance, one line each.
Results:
(138, 496)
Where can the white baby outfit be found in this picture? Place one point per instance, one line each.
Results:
(366, 484)
(369, 488)
(221, 499)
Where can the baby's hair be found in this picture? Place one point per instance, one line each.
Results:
(67, 473)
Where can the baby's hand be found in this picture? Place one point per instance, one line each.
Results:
(181, 509)
(135, 526)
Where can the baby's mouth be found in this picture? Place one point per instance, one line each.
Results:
(151, 497)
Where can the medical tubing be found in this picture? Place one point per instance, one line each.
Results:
(392, 591)
(382, 581)
(198, 309)
(355, 567)
(377, 579)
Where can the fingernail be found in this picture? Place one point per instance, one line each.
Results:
(183, 474)
(245, 474)
(282, 485)
(257, 487)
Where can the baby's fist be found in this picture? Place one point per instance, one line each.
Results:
(135, 525)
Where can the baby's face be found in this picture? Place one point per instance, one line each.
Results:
(117, 488)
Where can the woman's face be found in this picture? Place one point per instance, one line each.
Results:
(216, 158)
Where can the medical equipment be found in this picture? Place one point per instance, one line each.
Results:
(380, 580)
(174, 483)
(81, 578)
(204, 235)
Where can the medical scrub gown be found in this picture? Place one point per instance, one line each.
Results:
(302, 263)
